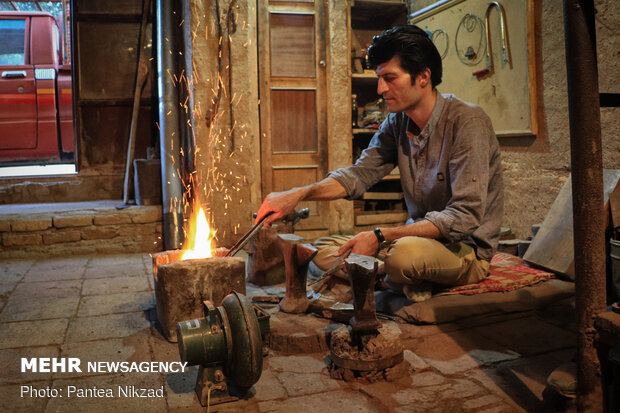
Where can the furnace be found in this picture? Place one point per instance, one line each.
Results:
(181, 286)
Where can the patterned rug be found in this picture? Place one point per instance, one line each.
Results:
(508, 273)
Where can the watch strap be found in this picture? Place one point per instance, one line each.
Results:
(380, 238)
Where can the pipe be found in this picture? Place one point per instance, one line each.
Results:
(587, 187)
(170, 139)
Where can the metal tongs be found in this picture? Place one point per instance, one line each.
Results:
(294, 217)
(321, 283)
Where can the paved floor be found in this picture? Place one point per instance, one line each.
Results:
(100, 308)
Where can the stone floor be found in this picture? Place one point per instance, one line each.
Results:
(100, 308)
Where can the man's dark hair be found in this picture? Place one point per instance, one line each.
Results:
(414, 48)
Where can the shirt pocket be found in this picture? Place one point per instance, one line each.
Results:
(438, 190)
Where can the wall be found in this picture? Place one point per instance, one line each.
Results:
(228, 158)
(535, 174)
(62, 229)
(338, 113)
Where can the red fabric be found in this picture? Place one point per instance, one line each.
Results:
(507, 273)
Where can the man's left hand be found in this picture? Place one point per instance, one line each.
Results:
(364, 243)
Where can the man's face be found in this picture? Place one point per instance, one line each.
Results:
(396, 87)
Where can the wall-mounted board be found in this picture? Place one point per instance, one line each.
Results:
(507, 92)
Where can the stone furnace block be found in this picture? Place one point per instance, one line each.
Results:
(182, 286)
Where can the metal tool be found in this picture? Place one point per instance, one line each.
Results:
(362, 271)
(504, 40)
(321, 284)
(246, 237)
(356, 348)
(294, 217)
(297, 256)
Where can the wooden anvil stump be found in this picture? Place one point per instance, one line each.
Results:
(182, 286)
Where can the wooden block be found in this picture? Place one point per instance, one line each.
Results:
(552, 248)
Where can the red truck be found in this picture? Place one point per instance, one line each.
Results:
(36, 111)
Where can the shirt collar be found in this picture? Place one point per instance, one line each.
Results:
(420, 138)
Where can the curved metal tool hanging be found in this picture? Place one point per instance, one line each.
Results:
(502, 30)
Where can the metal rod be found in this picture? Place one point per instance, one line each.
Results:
(587, 188)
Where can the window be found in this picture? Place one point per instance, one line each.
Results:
(12, 33)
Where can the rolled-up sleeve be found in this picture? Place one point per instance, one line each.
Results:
(376, 161)
(469, 178)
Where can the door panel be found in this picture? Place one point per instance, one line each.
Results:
(292, 89)
(292, 45)
(293, 121)
(302, 175)
(18, 104)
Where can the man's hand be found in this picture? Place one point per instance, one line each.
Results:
(364, 243)
(280, 203)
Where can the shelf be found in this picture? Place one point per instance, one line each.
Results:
(364, 131)
(377, 14)
(365, 75)
(365, 80)
(374, 218)
(388, 196)
(393, 176)
(383, 203)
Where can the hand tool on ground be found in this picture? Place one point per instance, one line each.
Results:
(294, 216)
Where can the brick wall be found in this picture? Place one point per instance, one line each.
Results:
(81, 232)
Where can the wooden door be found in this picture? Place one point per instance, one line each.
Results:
(292, 99)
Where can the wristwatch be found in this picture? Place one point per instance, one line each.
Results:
(382, 242)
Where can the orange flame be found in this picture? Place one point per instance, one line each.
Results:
(200, 237)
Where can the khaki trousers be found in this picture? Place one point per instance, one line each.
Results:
(412, 260)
